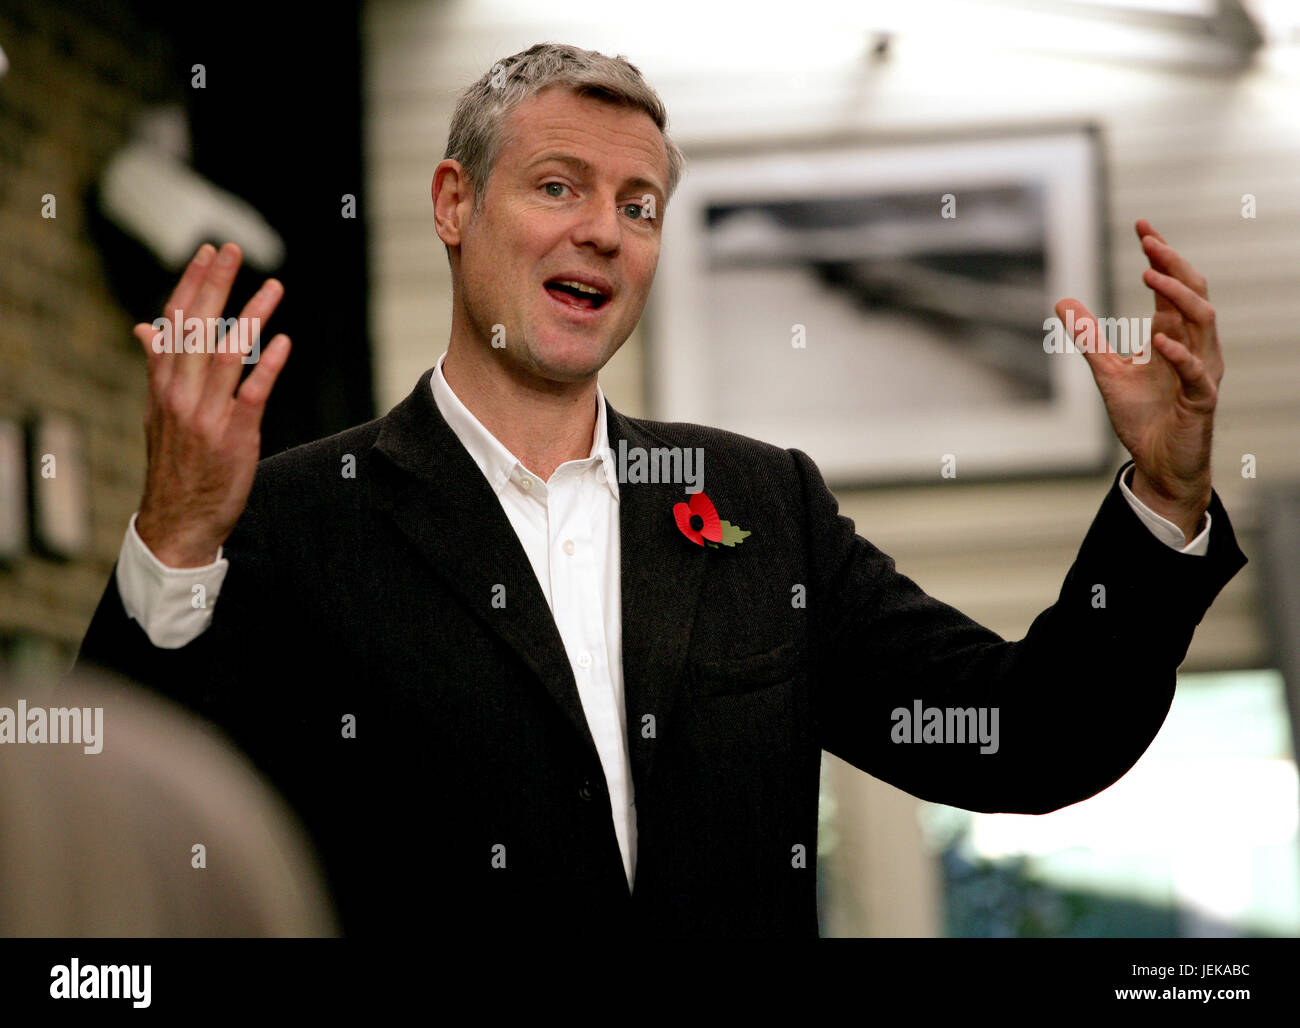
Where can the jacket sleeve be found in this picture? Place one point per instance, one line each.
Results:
(230, 674)
(1078, 700)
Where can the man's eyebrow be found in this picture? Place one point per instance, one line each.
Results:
(582, 167)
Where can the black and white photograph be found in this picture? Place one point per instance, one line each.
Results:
(806, 292)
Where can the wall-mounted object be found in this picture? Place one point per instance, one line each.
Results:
(13, 491)
(150, 192)
(59, 487)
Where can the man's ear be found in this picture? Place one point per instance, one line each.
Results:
(453, 198)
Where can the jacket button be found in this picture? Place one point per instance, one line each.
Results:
(585, 789)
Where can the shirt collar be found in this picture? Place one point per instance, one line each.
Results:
(497, 463)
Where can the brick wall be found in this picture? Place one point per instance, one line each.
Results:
(78, 73)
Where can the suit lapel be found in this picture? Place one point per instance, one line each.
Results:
(440, 500)
(661, 574)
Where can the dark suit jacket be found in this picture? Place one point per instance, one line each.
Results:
(373, 596)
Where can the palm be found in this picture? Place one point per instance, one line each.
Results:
(1162, 409)
(203, 425)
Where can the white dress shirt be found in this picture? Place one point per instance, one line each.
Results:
(569, 528)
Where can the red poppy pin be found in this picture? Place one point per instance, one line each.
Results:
(699, 522)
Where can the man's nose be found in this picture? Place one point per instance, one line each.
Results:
(598, 225)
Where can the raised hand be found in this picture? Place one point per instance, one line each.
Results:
(1163, 410)
(203, 428)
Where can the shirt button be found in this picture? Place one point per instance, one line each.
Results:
(584, 659)
(525, 484)
(568, 547)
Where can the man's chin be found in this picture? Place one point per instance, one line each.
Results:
(569, 360)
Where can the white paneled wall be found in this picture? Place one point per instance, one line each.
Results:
(1181, 148)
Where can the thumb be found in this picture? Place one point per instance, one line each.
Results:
(155, 364)
(145, 332)
(1081, 328)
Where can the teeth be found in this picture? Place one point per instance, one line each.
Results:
(582, 287)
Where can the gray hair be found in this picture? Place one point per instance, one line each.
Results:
(482, 110)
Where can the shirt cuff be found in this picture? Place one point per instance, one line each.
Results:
(172, 605)
(1162, 528)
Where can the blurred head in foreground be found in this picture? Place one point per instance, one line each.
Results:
(121, 815)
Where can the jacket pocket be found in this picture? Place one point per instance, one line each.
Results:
(735, 675)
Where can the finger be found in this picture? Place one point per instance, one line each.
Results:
(190, 280)
(1195, 309)
(208, 302)
(1191, 370)
(160, 370)
(227, 367)
(1145, 228)
(215, 288)
(1087, 339)
(251, 399)
(1165, 259)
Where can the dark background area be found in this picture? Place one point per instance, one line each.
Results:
(279, 124)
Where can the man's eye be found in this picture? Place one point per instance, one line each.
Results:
(555, 189)
(634, 210)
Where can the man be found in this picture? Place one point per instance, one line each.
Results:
(510, 692)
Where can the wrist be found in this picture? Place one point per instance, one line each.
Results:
(171, 547)
(1186, 509)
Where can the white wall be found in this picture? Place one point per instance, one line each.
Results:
(1181, 149)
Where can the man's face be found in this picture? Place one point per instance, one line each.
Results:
(565, 203)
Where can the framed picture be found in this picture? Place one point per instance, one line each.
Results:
(883, 306)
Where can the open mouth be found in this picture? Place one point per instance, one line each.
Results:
(577, 294)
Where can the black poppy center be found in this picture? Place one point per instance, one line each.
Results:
(697, 522)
